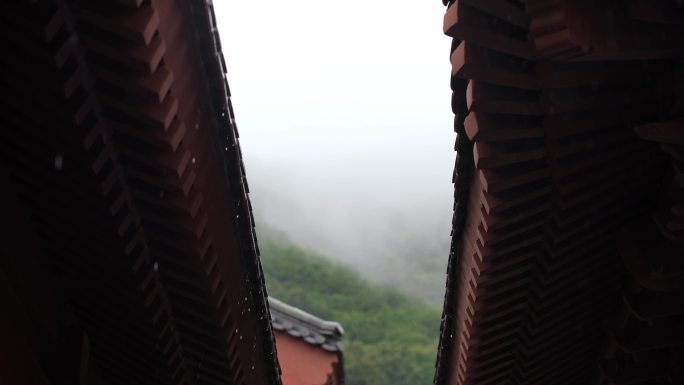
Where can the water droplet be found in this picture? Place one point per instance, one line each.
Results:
(156, 266)
(161, 193)
(194, 160)
(59, 162)
(226, 148)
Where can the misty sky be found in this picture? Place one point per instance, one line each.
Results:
(344, 119)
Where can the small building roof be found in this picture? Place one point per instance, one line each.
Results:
(300, 324)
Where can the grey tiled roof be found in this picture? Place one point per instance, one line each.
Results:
(300, 324)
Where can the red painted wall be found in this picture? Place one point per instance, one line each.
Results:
(302, 363)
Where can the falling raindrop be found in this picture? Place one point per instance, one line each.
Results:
(156, 266)
(59, 162)
(194, 160)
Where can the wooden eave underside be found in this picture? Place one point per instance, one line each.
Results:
(119, 137)
(568, 167)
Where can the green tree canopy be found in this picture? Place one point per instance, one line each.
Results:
(391, 338)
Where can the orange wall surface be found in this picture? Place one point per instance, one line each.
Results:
(302, 363)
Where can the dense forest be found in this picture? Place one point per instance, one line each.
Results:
(390, 339)
(409, 259)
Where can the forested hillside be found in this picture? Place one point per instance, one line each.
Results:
(412, 261)
(390, 339)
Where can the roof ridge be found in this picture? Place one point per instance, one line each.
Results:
(306, 326)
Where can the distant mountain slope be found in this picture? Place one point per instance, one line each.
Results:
(390, 338)
(410, 260)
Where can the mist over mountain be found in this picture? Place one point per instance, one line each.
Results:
(346, 129)
(388, 218)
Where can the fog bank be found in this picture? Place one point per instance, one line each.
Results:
(345, 124)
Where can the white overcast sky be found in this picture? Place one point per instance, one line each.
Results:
(343, 112)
